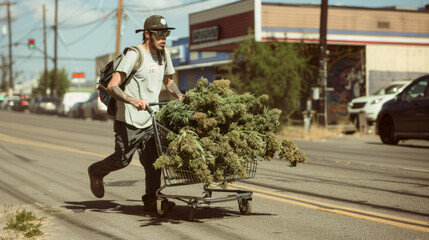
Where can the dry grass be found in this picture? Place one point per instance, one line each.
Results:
(19, 224)
(315, 133)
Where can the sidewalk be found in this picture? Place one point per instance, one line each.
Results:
(318, 134)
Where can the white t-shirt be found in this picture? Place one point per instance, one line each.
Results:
(145, 84)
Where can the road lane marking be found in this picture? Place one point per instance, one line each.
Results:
(352, 212)
(21, 141)
(416, 170)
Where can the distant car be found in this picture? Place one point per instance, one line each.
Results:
(33, 103)
(372, 104)
(44, 104)
(69, 99)
(76, 111)
(94, 108)
(22, 104)
(9, 102)
(407, 115)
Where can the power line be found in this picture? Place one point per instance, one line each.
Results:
(131, 17)
(76, 13)
(87, 33)
(103, 18)
(30, 57)
(134, 8)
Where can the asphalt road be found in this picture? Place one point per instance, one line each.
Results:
(351, 188)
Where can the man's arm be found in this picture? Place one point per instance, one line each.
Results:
(171, 87)
(115, 91)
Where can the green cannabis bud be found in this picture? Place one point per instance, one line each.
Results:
(215, 131)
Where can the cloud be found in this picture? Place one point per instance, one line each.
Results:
(153, 4)
(70, 12)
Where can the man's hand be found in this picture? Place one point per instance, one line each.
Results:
(140, 104)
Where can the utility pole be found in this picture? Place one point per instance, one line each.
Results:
(8, 67)
(323, 65)
(118, 28)
(54, 80)
(45, 49)
(10, 47)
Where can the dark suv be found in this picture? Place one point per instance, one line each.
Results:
(406, 116)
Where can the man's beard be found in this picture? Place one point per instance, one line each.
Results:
(154, 46)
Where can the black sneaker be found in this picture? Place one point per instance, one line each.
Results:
(151, 207)
(97, 185)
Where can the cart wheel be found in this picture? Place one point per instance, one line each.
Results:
(207, 194)
(245, 206)
(162, 207)
(191, 213)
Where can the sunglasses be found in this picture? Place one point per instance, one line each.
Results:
(161, 34)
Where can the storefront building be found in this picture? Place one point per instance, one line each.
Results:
(390, 43)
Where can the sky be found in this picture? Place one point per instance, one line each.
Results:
(87, 28)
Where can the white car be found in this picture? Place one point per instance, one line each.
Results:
(94, 108)
(69, 99)
(372, 104)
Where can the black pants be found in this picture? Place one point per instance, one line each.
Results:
(128, 139)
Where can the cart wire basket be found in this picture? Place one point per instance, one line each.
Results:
(176, 177)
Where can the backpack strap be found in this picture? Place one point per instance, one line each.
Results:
(137, 64)
(139, 61)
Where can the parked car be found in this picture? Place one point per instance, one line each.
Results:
(372, 104)
(21, 104)
(69, 99)
(44, 104)
(407, 115)
(76, 111)
(94, 108)
(33, 103)
(9, 102)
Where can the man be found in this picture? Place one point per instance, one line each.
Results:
(132, 125)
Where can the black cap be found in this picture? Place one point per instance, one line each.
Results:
(155, 22)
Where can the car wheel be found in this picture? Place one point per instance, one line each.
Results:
(93, 116)
(387, 131)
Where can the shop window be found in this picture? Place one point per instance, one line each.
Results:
(208, 54)
(193, 56)
(383, 25)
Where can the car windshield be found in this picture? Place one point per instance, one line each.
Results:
(49, 99)
(389, 89)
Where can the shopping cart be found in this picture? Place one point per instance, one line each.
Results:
(178, 177)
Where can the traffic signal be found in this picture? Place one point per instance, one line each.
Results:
(31, 45)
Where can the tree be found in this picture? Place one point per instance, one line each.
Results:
(63, 83)
(279, 69)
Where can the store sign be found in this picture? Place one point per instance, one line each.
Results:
(205, 34)
(78, 78)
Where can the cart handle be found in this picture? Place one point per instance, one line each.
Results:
(150, 110)
(155, 128)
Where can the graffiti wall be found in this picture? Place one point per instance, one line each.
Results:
(346, 80)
